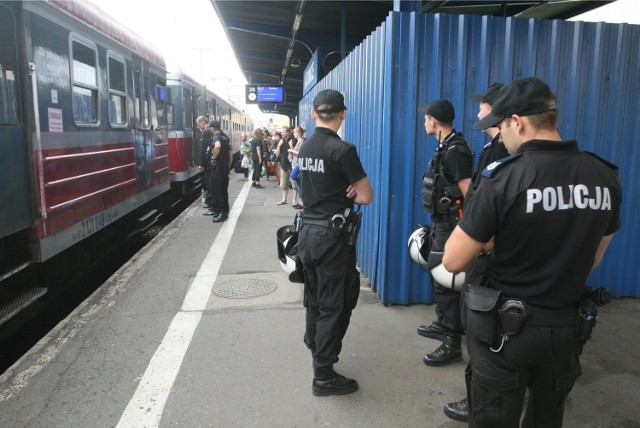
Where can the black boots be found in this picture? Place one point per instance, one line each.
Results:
(432, 331)
(458, 410)
(220, 217)
(327, 382)
(449, 352)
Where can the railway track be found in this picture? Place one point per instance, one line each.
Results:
(32, 322)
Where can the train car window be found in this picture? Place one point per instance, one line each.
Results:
(187, 110)
(156, 90)
(85, 83)
(8, 97)
(170, 115)
(161, 101)
(226, 118)
(141, 105)
(169, 107)
(208, 106)
(8, 86)
(198, 106)
(145, 103)
(117, 92)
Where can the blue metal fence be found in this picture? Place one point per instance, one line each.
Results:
(414, 58)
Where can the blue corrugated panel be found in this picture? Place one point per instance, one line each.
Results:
(412, 59)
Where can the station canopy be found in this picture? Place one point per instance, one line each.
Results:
(274, 40)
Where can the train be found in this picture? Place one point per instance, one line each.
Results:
(97, 138)
(188, 100)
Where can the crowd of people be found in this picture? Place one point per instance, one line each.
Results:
(274, 155)
(268, 155)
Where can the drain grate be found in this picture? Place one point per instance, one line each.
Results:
(244, 288)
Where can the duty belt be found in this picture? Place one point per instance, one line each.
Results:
(515, 313)
(338, 221)
(325, 223)
(551, 317)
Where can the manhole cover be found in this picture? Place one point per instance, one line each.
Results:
(244, 288)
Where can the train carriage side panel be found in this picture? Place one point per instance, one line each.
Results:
(16, 196)
(95, 161)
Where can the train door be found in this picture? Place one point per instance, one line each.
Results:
(15, 195)
(143, 135)
(188, 104)
(198, 111)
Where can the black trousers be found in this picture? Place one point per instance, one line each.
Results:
(257, 170)
(220, 196)
(331, 290)
(447, 300)
(208, 179)
(543, 359)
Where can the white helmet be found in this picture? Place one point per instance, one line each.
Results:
(418, 245)
(288, 254)
(442, 276)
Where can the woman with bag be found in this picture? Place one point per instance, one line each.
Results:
(282, 153)
(295, 182)
(245, 149)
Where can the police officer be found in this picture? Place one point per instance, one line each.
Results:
(333, 179)
(221, 160)
(551, 210)
(491, 152)
(494, 149)
(446, 183)
(206, 141)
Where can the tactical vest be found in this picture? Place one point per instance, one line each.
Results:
(439, 196)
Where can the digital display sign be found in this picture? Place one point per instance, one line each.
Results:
(264, 94)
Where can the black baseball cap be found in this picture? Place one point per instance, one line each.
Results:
(442, 110)
(524, 97)
(331, 101)
(215, 124)
(489, 95)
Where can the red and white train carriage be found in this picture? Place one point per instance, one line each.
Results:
(182, 93)
(84, 114)
(186, 101)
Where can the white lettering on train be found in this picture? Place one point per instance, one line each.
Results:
(573, 196)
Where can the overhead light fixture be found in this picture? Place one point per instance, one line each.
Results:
(284, 71)
(295, 63)
(297, 22)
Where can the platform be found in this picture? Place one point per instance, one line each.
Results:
(202, 329)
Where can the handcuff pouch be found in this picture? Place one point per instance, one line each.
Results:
(512, 316)
(480, 315)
